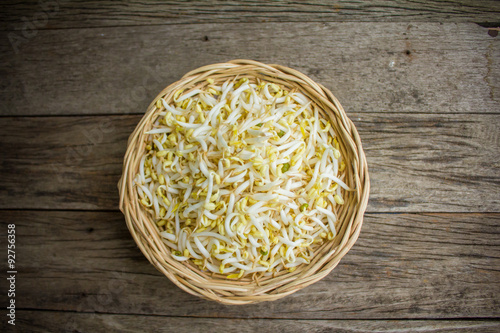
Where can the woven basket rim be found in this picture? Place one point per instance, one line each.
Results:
(246, 291)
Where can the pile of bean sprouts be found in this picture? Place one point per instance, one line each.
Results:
(242, 177)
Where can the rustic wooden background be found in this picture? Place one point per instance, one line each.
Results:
(421, 80)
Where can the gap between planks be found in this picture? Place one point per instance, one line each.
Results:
(486, 319)
(79, 322)
(7, 209)
(27, 115)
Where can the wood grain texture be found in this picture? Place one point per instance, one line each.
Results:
(417, 162)
(43, 321)
(424, 96)
(370, 67)
(402, 266)
(82, 14)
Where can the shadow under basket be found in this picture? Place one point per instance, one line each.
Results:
(246, 290)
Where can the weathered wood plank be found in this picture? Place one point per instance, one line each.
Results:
(382, 67)
(417, 163)
(62, 13)
(403, 266)
(43, 321)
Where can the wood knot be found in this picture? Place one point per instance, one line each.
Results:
(493, 32)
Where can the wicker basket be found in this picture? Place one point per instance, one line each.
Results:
(246, 290)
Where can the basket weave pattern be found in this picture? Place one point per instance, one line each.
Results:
(216, 287)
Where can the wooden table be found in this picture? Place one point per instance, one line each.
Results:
(420, 80)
